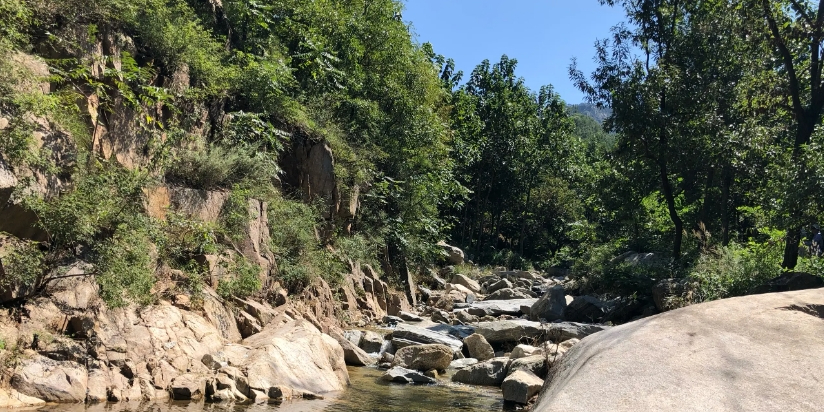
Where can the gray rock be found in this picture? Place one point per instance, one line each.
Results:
(511, 293)
(454, 255)
(409, 317)
(422, 335)
(187, 387)
(50, 380)
(462, 363)
(535, 364)
(479, 348)
(499, 307)
(354, 336)
(521, 386)
(587, 309)
(466, 282)
(559, 332)
(489, 373)
(423, 357)
(391, 320)
(439, 316)
(510, 330)
(522, 351)
(465, 317)
(501, 284)
(402, 375)
(789, 282)
(371, 342)
(352, 354)
(549, 307)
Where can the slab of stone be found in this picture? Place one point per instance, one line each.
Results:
(499, 307)
(403, 375)
(521, 386)
(423, 335)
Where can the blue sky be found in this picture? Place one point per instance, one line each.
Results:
(543, 35)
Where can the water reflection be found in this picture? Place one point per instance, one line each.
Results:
(367, 393)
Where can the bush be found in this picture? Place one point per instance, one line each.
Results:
(23, 265)
(219, 167)
(125, 268)
(245, 281)
(735, 269)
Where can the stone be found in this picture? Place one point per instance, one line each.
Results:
(462, 363)
(402, 375)
(454, 255)
(510, 293)
(499, 307)
(187, 387)
(439, 316)
(465, 317)
(501, 284)
(550, 306)
(11, 399)
(371, 342)
(521, 386)
(352, 354)
(587, 309)
(295, 355)
(522, 351)
(409, 317)
(423, 357)
(666, 292)
(50, 380)
(422, 335)
(789, 282)
(466, 282)
(751, 353)
(536, 364)
(391, 320)
(479, 348)
(503, 331)
(489, 373)
(354, 336)
(559, 332)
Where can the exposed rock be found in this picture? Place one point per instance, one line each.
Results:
(499, 307)
(409, 317)
(418, 334)
(295, 355)
(462, 363)
(479, 348)
(587, 309)
(11, 399)
(423, 357)
(559, 332)
(439, 316)
(188, 387)
(550, 306)
(748, 353)
(391, 320)
(508, 294)
(465, 317)
(489, 373)
(371, 342)
(521, 386)
(50, 380)
(354, 336)
(522, 351)
(535, 364)
(454, 255)
(466, 282)
(402, 375)
(789, 282)
(501, 284)
(352, 354)
(517, 329)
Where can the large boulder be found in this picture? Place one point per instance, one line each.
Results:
(791, 281)
(50, 380)
(479, 348)
(371, 342)
(751, 353)
(515, 330)
(403, 375)
(511, 293)
(588, 309)
(466, 282)
(550, 306)
(423, 357)
(423, 335)
(352, 354)
(454, 255)
(489, 373)
(295, 355)
(499, 307)
(520, 386)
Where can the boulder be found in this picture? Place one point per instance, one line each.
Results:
(503, 331)
(521, 386)
(588, 309)
(188, 387)
(550, 306)
(409, 317)
(423, 357)
(422, 335)
(489, 373)
(465, 317)
(440, 316)
(371, 342)
(752, 353)
(501, 284)
(352, 354)
(462, 363)
(295, 355)
(402, 375)
(499, 307)
(522, 351)
(11, 399)
(354, 336)
(510, 293)
(466, 282)
(454, 255)
(50, 380)
(479, 348)
(536, 364)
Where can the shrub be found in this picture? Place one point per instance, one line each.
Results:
(245, 281)
(734, 270)
(125, 268)
(184, 237)
(219, 167)
(23, 265)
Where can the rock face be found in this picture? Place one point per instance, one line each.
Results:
(51, 380)
(423, 357)
(489, 373)
(550, 306)
(479, 348)
(521, 386)
(751, 353)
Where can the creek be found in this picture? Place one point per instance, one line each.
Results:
(366, 393)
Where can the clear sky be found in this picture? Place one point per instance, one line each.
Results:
(543, 35)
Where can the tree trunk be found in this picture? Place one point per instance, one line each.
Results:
(669, 196)
(791, 248)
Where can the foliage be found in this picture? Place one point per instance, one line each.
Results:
(221, 167)
(243, 281)
(24, 265)
(125, 267)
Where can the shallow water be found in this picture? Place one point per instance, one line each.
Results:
(366, 393)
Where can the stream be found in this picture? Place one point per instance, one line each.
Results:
(366, 393)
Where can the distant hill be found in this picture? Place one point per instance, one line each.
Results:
(591, 110)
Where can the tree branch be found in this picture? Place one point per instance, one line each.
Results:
(803, 13)
(788, 60)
